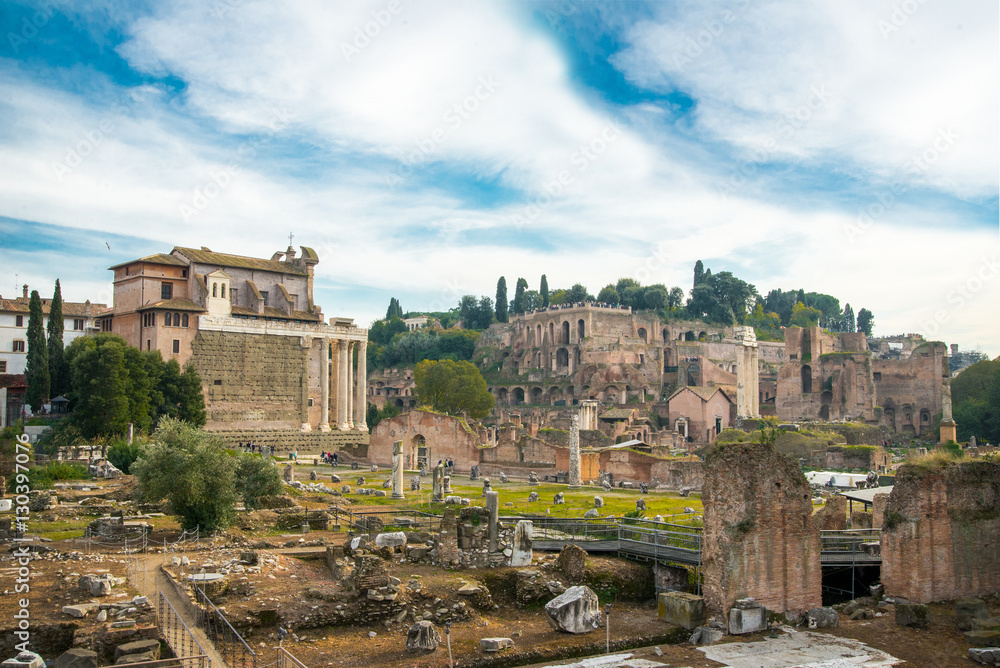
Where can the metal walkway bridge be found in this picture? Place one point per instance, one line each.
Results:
(679, 543)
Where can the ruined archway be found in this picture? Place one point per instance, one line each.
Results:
(581, 329)
(518, 396)
(807, 379)
(502, 395)
(643, 334)
(536, 395)
(562, 358)
(693, 375)
(565, 331)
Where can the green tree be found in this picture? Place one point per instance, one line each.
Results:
(37, 369)
(805, 316)
(453, 387)
(532, 300)
(394, 310)
(57, 366)
(191, 470)
(829, 306)
(501, 304)
(655, 297)
(578, 293)
(373, 415)
(675, 298)
(624, 284)
(699, 274)
(123, 454)
(190, 398)
(608, 294)
(383, 331)
(866, 322)
(847, 323)
(975, 395)
(633, 295)
(543, 289)
(517, 306)
(557, 297)
(256, 477)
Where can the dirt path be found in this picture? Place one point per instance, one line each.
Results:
(180, 640)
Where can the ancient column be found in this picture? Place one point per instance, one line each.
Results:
(324, 384)
(747, 374)
(350, 384)
(397, 470)
(343, 390)
(574, 451)
(522, 544)
(493, 506)
(949, 428)
(447, 484)
(361, 405)
(306, 343)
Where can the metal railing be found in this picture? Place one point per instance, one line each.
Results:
(186, 662)
(135, 568)
(179, 637)
(402, 519)
(229, 643)
(137, 543)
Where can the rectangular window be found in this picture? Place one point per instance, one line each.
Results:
(3, 366)
(184, 273)
(218, 382)
(263, 294)
(148, 344)
(19, 346)
(877, 376)
(166, 291)
(177, 346)
(19, 321)
(78, 324)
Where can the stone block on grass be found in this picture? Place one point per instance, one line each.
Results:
(912, 614)
(748, 616)
(495, 644)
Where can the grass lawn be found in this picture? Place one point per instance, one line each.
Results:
(578, 501)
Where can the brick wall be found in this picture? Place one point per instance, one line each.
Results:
(251, 380)
(941, 532)
(760, 539)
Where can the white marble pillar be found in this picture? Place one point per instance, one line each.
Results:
(342, 391)
(350, 383)
(575, 475)
(324, 384)
(397, 470)
(361, 405)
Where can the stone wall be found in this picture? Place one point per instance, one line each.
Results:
(870, 458)
(941, 532)
(284, 441)
(759, 539)
(832, 516)
(251, 381)
(442, 436)
(640, 467)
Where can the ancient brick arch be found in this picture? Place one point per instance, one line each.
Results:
(565, 332)
(562, 358)
(643, 334)
(581, 329)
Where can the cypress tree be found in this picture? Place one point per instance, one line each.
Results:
(501, 305)
(57, 368)
(699, 273)
(543, 288)
(37, 368)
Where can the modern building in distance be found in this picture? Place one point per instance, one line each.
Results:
(274, 370)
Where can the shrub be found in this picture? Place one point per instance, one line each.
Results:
(43, 477)
(256, 479)
(123, 455)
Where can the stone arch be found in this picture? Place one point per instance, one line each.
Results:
(693, 375)
(925, 419)
(666, 334)
(581, 329)
(555, 394)
(577, 356)
(518, 395)
(702, 336)
(562, 358)
(565, 331)
(689, 336)
(552, 333)
(536, 395)
(826, 400)
(807, 379)
(641, 332)
(399, 403)
(215, 289)
(167, 319)
(611, 393)
(502, 395)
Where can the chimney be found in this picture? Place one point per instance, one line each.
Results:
(25, 288)
(954, 349)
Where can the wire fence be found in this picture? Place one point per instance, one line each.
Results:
(178, 636)
(228, 642)
(186, 538)
(116, 540)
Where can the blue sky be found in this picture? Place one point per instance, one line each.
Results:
(425, 149)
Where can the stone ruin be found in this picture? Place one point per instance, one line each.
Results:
(941, 532)
(102, 468)
(760, 540)
(833, 515)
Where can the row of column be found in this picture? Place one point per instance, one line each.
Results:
(337, 380)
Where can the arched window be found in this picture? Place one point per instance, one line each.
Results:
(166, 320)
(185, 320)
(223, 291)
(807, 380)
(215, 289)
(177, 319)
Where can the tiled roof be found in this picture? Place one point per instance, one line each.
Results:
(70, 309)
(703, 393)
(157, 258)
(13, 380)
(617, 414)
(175, 305)
(226, 260)
(271, 312)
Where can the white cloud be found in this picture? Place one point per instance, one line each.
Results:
(891, 81)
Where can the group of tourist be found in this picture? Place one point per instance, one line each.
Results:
(329, 458)
(255, 448)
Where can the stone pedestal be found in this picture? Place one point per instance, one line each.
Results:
(493, 506)
(447, 484)
(522, 552)
(949, 431)
(681, 608)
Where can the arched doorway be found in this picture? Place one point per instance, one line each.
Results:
(807, 380)
(536, 395)
(642, 334)
(693, 375)
(565, 331)
(518, 396)
(562, 358)
(580, 329)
